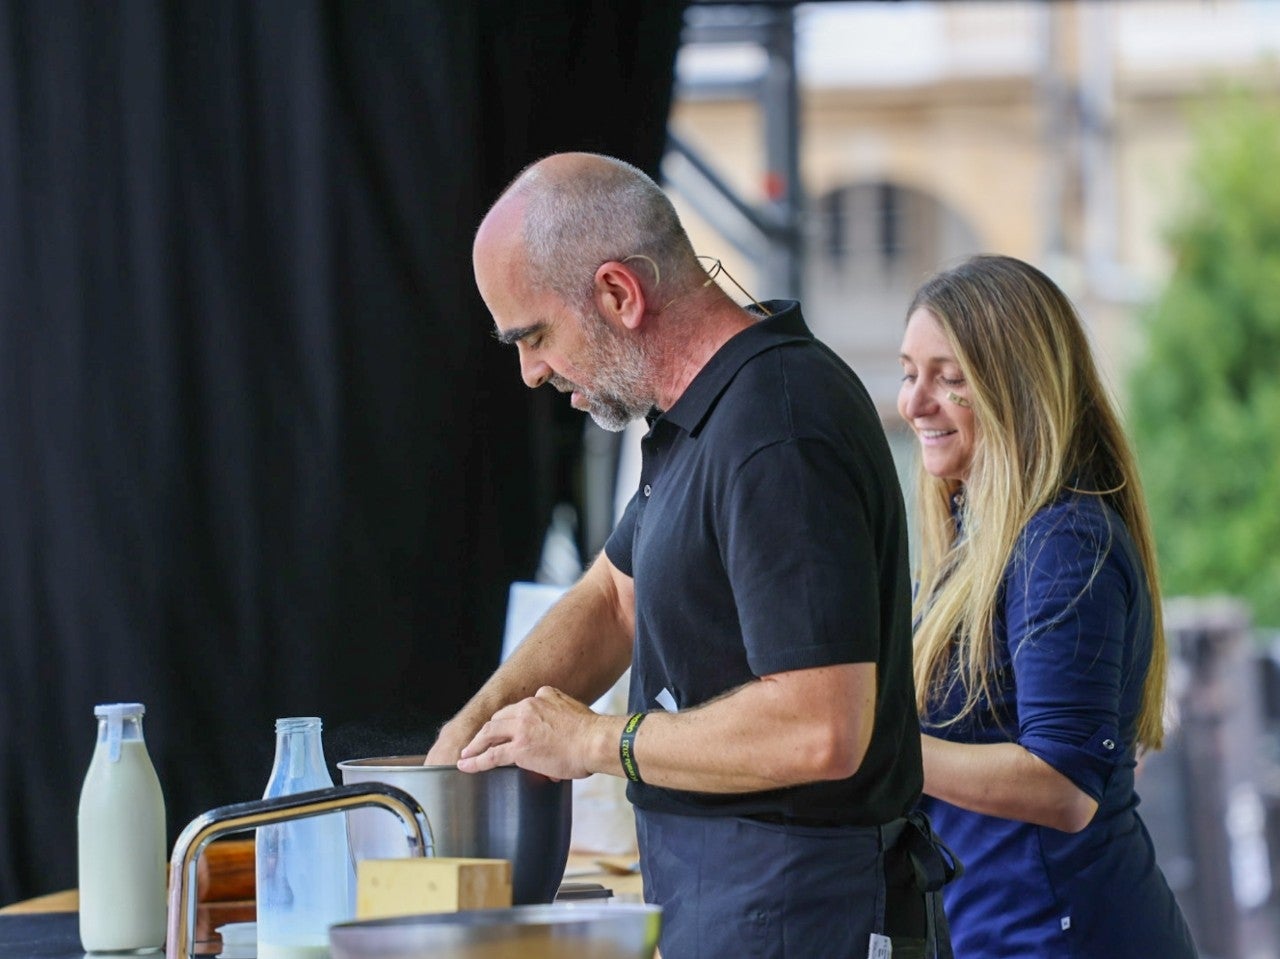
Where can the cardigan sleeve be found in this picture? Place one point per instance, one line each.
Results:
(1068, 596)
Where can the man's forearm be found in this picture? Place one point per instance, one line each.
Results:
(782, 730)
(582, 645)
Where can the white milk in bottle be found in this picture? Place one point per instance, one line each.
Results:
(122, 845)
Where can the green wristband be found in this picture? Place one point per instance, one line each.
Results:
(627, 748)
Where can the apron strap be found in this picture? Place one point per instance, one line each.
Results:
(933, 865)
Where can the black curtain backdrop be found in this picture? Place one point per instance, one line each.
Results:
(261, 456)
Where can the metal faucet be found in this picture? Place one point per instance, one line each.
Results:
(240, 817)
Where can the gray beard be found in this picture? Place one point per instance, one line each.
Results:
(610, 414)
(621, 392)
(605, 405)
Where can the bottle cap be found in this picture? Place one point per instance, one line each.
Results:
(115, 714)
(239, 940)
(111, 710)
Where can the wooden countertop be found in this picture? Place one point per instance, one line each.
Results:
(225, 885)
(615, 872)
(68, 900)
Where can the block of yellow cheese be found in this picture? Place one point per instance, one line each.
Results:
(407, 887)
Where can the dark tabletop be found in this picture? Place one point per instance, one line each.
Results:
(49, 935)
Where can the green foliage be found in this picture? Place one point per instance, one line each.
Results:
(1205, 402)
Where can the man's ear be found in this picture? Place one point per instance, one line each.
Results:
(619, 294)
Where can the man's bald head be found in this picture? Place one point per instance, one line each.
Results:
(575, 211)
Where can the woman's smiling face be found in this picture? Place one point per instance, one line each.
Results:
(934, 398)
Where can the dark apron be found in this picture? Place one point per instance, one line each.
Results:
(757, 889)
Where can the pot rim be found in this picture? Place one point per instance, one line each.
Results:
(383, 763)
(533, 914)
(413, 763)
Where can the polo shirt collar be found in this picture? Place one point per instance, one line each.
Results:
(786, 325)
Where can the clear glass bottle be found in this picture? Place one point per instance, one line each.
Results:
(304, 871)
(121, 839)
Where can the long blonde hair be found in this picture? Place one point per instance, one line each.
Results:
(1045, 425)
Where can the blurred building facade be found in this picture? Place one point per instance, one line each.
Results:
(1055, 132)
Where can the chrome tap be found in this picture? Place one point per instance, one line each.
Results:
(240, 817)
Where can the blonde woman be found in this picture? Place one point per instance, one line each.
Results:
(1039, 651)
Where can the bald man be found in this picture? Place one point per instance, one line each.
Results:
(756, 585)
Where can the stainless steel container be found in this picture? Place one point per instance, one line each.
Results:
(505, 813)
(610, 931)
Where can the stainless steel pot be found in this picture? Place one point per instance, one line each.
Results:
(506, 813)
(610, 931)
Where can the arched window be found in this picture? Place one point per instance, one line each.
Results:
(870, 245)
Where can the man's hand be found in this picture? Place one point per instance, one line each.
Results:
(454, 735)
(549, 733)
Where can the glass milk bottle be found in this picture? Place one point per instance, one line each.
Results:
(304, 872)
(121, 839)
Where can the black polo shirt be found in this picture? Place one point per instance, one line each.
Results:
(768, 534)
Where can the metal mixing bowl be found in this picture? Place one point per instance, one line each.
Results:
(609, 931)
(505, 813)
